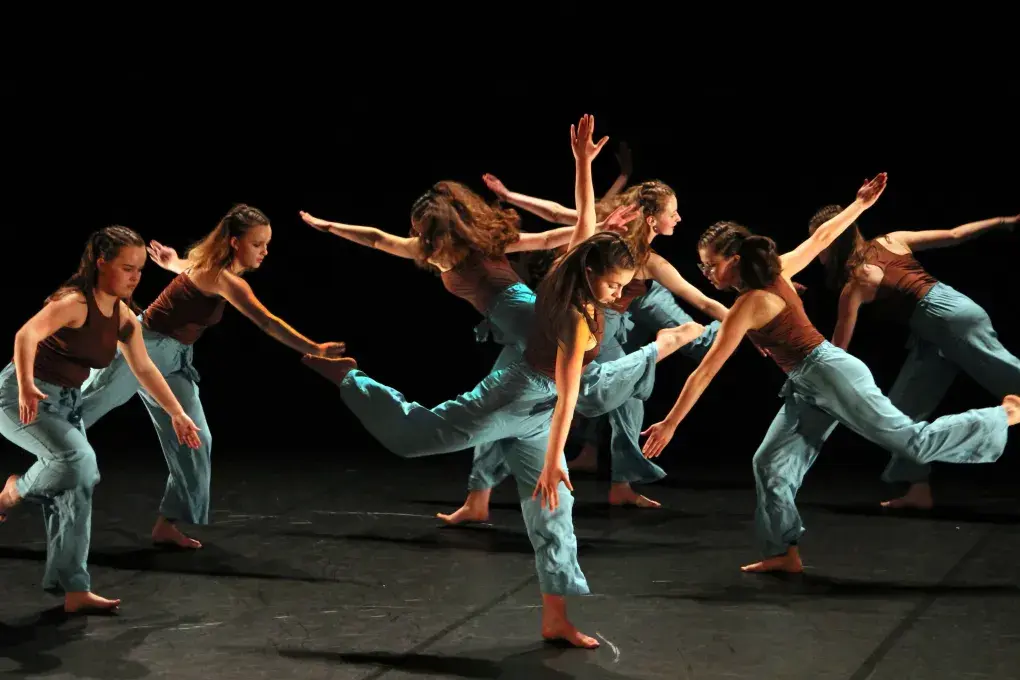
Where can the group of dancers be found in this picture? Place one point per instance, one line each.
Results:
(585, 341)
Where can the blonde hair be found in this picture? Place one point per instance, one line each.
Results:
(214, 251)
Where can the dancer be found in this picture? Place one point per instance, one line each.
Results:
(655, 307)
(208, 278)
(825, 385)
(80, 327)
(525, 408)
(949, 331)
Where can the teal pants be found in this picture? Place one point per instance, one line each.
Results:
(646, 315)
(949, 333)
(186, 495)
(511, 409)
(60, 481)
(830, 387)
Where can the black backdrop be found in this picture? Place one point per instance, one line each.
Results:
(168, 151)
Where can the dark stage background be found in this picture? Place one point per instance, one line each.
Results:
(167, 154)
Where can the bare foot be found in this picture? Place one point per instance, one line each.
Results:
(918, 496)
(556, 626)
(9, 496)
(621, 493)
(1012, 405)
(86, 602)
(166, 533)
(670, 340)
(586, 461)
(334, 370)
(790, 563)
(475, 509)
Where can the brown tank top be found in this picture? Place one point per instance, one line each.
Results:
(67, 357)
(904, 280)
(635, 289)
(790, 336)
(541, 351)
(478, 279)
(182, 311)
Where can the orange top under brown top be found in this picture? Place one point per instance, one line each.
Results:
(790, 336)
(635, 289)
(478, 279)
(541, 351)
(182, 311)
(67, 357)
(904, 280)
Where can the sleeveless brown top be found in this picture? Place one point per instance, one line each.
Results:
(541, 351)
(182, 311)
(67, 357)
(478, 279)
(790, 336)
(635, 289)
(904, 280)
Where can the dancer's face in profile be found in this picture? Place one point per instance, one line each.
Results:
(120, 276)
(665, 222)
(609, 286)
(723, 272)
(251, 248)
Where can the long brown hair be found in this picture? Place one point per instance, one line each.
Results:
(651, 197)
(846, 253)
(214, 252)
(568, 288)
(451, 219)
(106, 244)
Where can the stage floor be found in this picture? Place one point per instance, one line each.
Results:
(335, 568)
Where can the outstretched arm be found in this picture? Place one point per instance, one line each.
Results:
(406, 247)
(569, 365)
(617, 222)
(623, 157)
(731, 332)
(942, 238)
(585, 151)
(799, 258)
(661, 270)
(238, 293)
(550, 211)
(132, 346)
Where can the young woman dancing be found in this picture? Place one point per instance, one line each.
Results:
(656, 308)
(825, 385)
(81, 326)
(525, 409)
(208, 278)
(949, 331)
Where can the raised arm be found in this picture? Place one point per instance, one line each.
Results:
(942, 238)
(623, 157)
(132, 346)
(69, 311)
(731, 332)
(569, 365)
(617, 221)
(166, 257)
(238, 293)
(550, 211)
(401, 246)
(661, 270)
(799, 258)
(585, 152)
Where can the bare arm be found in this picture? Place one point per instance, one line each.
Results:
(69, 311)
(406, 247)
(569, 365)
(800, 257)
(850, 301)
(550, 211)
(733, 329)
(623, 157)
(661, 270)
(238, 293)
(942, 238)
(617, 221)
(585, 152)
